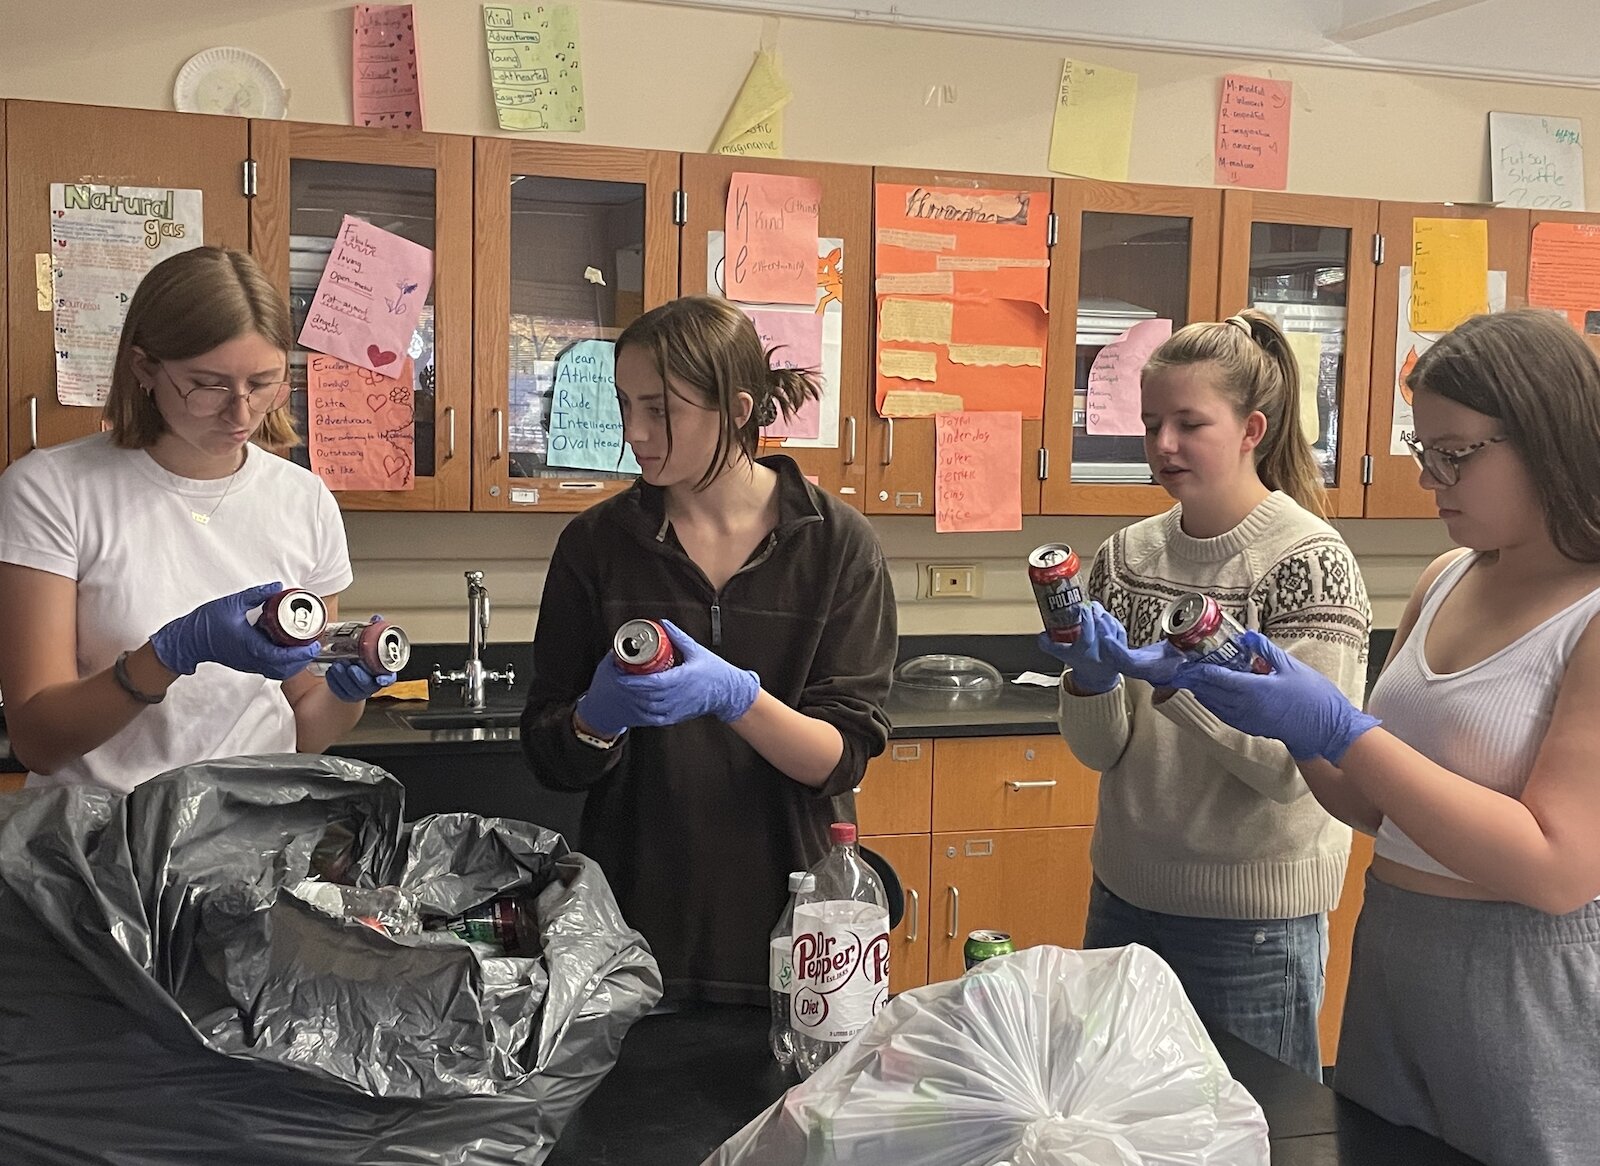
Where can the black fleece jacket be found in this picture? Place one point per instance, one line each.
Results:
(695, 830)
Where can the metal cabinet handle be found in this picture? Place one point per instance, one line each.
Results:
(450, 428)
(888, 441)
(1051, 784)
(33, 422)
(955, 913)
(499, 434)
(851, 459)
(914, 915)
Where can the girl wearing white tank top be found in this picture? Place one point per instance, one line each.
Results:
(1474, 1002)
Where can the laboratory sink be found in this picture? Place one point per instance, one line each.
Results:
(459, 718)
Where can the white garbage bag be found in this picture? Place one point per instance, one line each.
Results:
(1049, 1057)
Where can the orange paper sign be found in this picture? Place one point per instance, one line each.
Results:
(977, 472)
(1564, 271)
(1253, 133)
(771, 222)
(361, 427)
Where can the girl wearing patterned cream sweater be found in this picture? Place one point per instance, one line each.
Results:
(1208, 847)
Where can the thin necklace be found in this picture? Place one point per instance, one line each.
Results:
(205, 518)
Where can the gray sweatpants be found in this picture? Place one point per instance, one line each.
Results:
(1478, 1023)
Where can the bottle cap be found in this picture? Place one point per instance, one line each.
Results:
(842, 832)
(796, 878)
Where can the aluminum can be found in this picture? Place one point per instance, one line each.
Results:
(986, 945)
(499, 921)
(378, 647)
(1196, 625)
(293, 617)
(642, 647)
(1054, 570)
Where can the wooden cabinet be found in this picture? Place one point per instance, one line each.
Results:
(48, 143)
(896, 793)
(572, 243)
(844, 262)
(1394, 491)
(900, 457)
(417, 186)
(1341, 931)
(1124, 253)
(1010, 783)
(1308, 262)
(908, 943)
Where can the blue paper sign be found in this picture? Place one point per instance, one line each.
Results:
(585, 423)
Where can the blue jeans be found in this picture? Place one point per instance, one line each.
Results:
(1259, 979)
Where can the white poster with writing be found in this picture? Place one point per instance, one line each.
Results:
(1536, 161)
(102, 241)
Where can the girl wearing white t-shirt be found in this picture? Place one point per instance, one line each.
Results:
(129, 559)
(1474, 1002)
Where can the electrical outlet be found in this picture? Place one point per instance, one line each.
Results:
(954, 580)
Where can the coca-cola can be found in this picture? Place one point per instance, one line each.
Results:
(1055, 572)
(1196, 625)
(293, 617)
(378, 646)
(642, 647)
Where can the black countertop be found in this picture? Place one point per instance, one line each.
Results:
(688, 1081)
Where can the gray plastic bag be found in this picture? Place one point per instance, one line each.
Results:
(165, 999)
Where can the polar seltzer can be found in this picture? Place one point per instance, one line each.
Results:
(1196, 625)
(293, 617)
(642, 646)
(986, 945)
(378, 646)
(1054, 570)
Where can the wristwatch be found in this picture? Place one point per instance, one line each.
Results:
(119, 670)
(590, 739)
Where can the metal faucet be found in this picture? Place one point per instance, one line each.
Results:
(471, 676)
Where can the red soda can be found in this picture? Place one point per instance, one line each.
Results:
(1054, 571)
(378, 647)
(1196, 625)
(642, 646)
(293, 617)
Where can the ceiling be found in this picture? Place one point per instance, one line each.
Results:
(1540, 41)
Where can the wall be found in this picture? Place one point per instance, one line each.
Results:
(659, 76)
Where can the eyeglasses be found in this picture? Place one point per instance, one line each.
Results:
(1444, 465)
(209, 400)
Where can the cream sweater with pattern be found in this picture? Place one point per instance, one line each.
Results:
(1197, 818)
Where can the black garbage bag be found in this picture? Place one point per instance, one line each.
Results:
(166, 998)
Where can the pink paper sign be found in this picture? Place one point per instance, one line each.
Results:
(366, 305)
(977, 472)
(797, 338)
(1253, 133)
(361, 425)
(1112, 408)
(771, 222)
(383, 68)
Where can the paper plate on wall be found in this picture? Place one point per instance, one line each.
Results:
(230, 80)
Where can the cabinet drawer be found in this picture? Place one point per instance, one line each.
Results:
(895, 794)
(1009, 783)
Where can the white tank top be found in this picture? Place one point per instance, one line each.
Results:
(1485, 722)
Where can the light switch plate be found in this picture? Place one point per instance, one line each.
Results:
(954, 580)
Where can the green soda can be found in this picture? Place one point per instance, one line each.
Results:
(985, 945)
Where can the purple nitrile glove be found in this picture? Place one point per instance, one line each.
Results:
(611, 706)
(1156, 665)
(217, 632)
(1092, 669)
(1294, 704)
(351, 682)
(702, 684)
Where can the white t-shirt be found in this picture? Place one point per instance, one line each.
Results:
(125, 530)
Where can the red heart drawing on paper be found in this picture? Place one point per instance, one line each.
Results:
(393, 464)
(380, 356)
(376, 401)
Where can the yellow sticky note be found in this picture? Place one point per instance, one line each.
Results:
(1449, 272)
(43, 283)
(754, 125)
(1093, 130)
(909, 364)
(1307, 349)
(918, 283)
(913, 403)
(925, 320)
(996, 354)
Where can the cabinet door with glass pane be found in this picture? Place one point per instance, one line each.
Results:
(1308, 263)
(573, 244)
(93, 152)
(414, 185)
(1394, 490)
(1125, 254)
(830, 451)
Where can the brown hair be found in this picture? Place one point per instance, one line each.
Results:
(1257, 371)
(1530, 371)
(184, 307)
(706, 343)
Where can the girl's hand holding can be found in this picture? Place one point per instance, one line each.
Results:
(1090, 655)
(1294, 703)
(351, 682)
(702, 684)
(218, 632)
